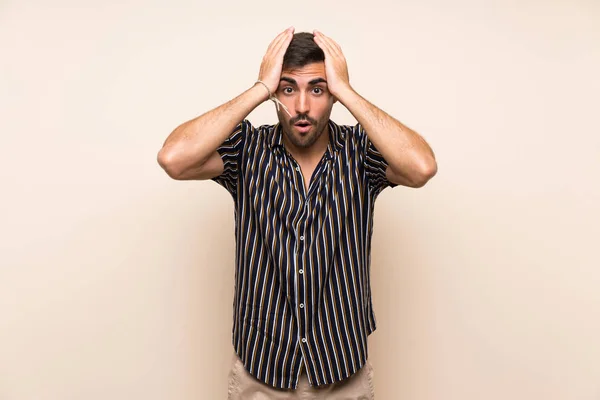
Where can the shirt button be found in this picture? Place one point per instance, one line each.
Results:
(303, 340)
(301, 305)
(301, 271)
(297, 168)
(301, 237)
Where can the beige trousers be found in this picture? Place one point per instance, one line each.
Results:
(243, 386)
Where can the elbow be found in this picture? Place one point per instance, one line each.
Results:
(422, 173)
(168, 162)
(425, 172)
(422, 178)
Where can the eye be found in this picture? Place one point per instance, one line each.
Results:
(318, 90)
(287, 90)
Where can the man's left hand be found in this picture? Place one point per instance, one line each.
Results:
(336, 67)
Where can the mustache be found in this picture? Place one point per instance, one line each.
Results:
(302, 117)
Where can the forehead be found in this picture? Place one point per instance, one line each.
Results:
(305, 73)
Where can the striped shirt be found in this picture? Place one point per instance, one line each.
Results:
(302, 296)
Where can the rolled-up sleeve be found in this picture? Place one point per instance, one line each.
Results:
(374, 163)
(231, 151)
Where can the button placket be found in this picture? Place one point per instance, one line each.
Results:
(301, 287)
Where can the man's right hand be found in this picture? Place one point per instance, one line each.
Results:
(272, 63)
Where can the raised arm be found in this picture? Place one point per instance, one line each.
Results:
(190, 151)
(411, 162)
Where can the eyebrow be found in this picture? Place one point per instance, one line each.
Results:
(312, 82)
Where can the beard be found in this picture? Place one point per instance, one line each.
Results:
(301, 139)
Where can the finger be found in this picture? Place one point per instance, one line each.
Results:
(280, 37)
(319, 41)
(284, 44)
(337, 46)
(330, 43)
(322, 39)
(276, 51)
(325, 46)
(276, 43)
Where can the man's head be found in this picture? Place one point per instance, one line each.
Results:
(303, 90)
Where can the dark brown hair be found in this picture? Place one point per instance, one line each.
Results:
(302, 51)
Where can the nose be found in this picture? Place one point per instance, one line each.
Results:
(302, 103)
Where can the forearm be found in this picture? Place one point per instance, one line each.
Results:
(192, 143)
(406, 152)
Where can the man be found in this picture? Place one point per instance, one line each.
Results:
(304, 191)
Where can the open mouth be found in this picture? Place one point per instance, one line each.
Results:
(303, 127)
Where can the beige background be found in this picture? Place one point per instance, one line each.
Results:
(116, 282)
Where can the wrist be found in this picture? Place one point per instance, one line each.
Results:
(271, 96)
(262, 86)
(344, 93)
(256, 94)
